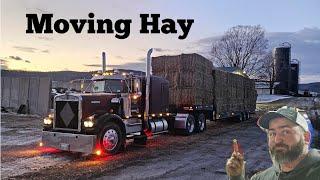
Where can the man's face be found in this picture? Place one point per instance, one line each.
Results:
(286, 140)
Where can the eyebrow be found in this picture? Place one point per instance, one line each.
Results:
(281, 127)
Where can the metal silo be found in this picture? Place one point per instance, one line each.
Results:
(282, 56)
(294, 85)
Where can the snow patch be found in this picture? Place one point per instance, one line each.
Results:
(19, 140)
(267, 98)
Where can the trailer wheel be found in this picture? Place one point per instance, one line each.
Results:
(190, 125)
(240, 117)
(200, 124)
(111, 138)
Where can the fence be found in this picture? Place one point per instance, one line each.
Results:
(32, 92)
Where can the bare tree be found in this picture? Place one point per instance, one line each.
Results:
(266, 70)
(242, 47)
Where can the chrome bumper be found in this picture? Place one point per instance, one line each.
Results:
(69, 142)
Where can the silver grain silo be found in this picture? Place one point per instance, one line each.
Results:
(282, 56)
(294, 85)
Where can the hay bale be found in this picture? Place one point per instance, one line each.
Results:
(189, 76)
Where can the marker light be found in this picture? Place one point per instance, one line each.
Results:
(40, 144)
(135, 96)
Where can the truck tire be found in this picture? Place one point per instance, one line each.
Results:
(190, 125)
(111, 138)
(200, 124)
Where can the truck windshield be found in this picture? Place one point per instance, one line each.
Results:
(110, 85)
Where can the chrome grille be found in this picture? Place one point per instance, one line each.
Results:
(67, 114)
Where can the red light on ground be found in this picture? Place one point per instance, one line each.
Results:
(40, 144)
(148, 133)
(98, 152)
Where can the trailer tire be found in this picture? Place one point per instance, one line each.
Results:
(190, 125)
(240, 117)
(111, 138)
(200, 123)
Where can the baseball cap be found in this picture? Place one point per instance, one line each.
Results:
(290, 113)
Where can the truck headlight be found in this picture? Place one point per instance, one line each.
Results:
(88, 122)
(47, 121)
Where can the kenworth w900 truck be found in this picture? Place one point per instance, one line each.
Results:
(130, 105)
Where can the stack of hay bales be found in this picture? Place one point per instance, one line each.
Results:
(233, 92)
(190, 77)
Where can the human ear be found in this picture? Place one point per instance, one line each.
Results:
(307, 137)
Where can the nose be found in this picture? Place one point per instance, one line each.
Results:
(278, 138)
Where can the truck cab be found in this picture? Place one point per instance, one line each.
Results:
(111, 109)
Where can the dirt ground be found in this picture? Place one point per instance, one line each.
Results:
(200, 156)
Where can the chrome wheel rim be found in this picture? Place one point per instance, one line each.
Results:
(110, 139)
(190, 125)
(202, 124)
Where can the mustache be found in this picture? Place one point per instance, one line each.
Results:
(280, 145)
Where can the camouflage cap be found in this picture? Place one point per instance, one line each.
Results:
(289, 113)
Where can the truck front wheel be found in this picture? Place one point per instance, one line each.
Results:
(111, 138)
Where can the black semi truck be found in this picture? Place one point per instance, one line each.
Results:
(121, 105)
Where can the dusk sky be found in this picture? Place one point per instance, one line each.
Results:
(293, 21)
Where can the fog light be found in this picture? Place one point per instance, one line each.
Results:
(47, 121)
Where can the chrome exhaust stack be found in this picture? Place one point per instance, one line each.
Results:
(148, 74)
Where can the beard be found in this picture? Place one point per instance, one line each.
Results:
(286, 154)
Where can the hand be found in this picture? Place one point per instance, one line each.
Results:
(235, 165)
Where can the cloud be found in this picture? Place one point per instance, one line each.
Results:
(309, 78)
(40, 10)
(120, 57)
(45, 38)
(31, 49)
(17, 58)
(25, 49)
(46, 51)
(162, 50)
(139, 65)
(92, 65)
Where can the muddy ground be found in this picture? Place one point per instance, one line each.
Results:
(200, 156)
